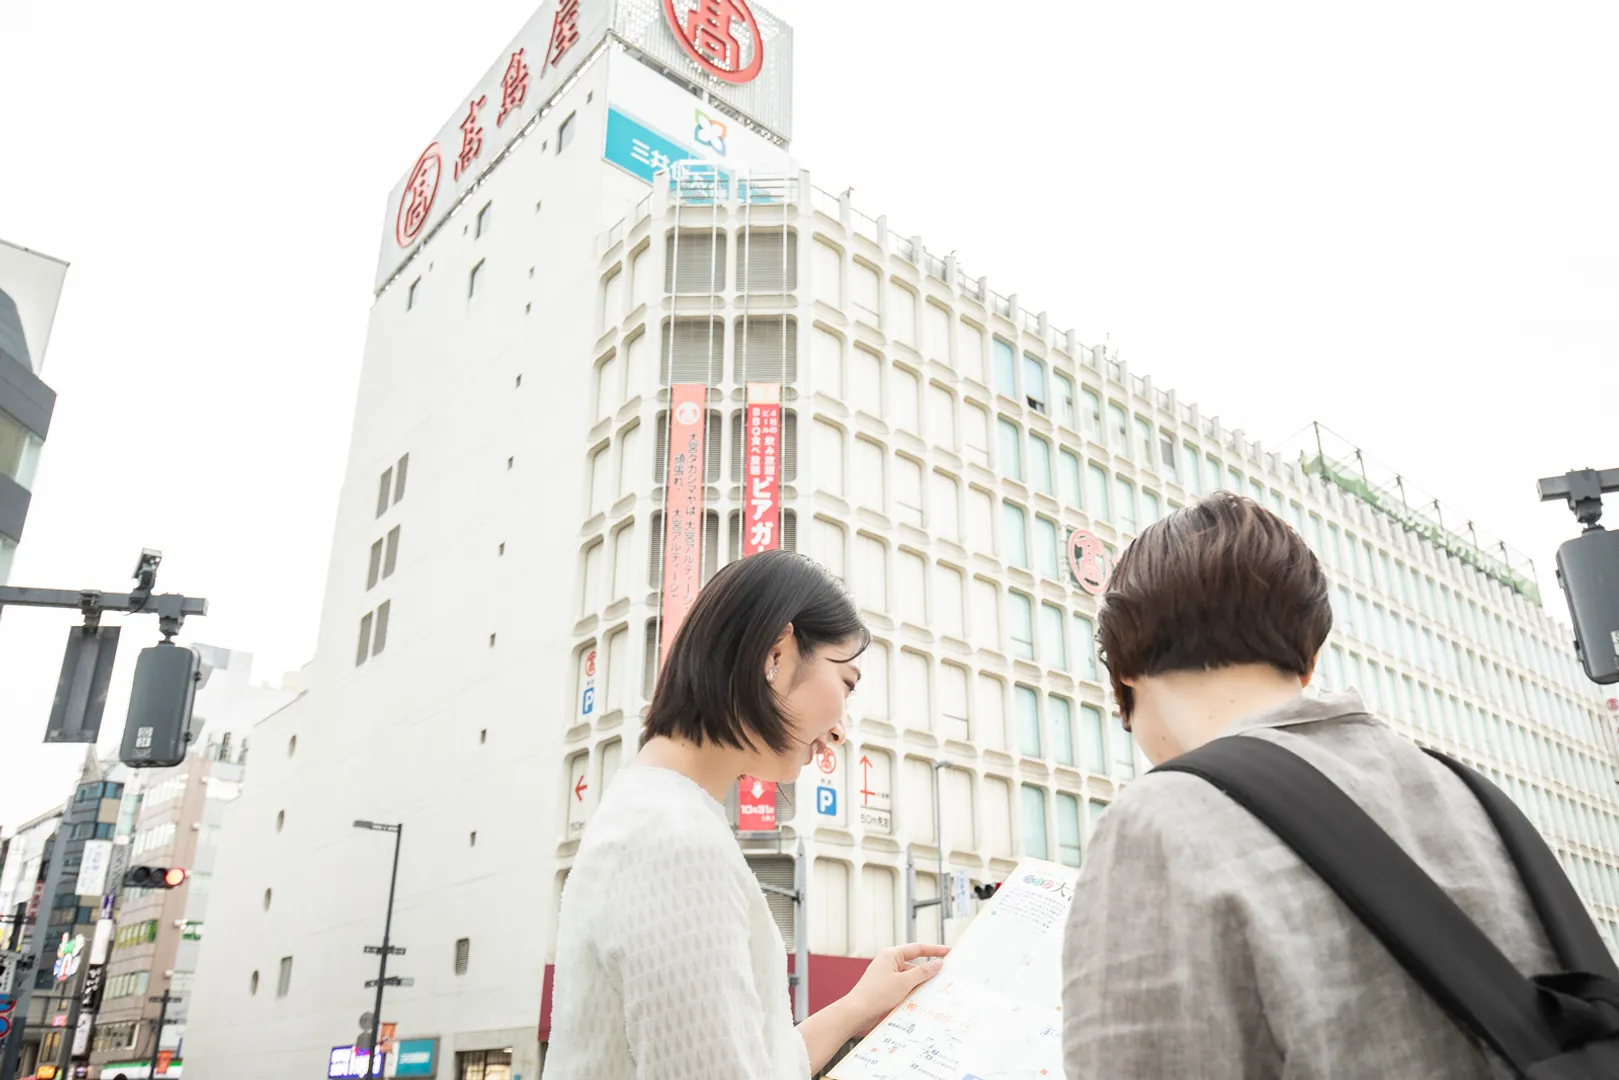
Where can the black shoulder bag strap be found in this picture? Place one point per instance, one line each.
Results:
(1442, 949)
(1568, 924)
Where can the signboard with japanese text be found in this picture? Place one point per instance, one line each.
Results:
(93, 868)
(683, 513)
(756, 805)
(735, 50)
(876, 792)
(349, 1063)
(824, 776)
(761, 520)
(416, 1057)
(526, 75)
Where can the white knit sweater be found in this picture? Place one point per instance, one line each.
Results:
(669, 965)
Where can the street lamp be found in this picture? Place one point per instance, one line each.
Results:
(387, 930)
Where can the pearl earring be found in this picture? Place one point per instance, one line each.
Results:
(770, 676)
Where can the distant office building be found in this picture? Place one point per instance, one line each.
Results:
(30, 286)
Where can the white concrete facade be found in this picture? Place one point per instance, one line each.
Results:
(936, 459)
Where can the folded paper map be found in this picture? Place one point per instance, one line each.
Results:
(995, 1010)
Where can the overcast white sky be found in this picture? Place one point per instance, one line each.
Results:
(1399, 219)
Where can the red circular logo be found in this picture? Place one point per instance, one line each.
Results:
(828, 760)
(417, 200)
(1088, 561)
(721, 35)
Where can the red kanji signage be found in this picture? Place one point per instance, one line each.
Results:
(756, 805)
(564, 31)
(420, 192)
(722, 36)
(1088, 561)
(471, 136)
(761, 528)
(513, 87)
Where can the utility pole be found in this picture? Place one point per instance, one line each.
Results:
(373, 1060)
(912, 904)
(157, 1034)
(31, 960)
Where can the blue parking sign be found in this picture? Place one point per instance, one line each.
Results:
(826, 801)
(587, 704)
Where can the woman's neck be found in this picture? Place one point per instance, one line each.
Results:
(712, 768)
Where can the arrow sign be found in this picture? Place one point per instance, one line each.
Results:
(865, 781)
(580, 788)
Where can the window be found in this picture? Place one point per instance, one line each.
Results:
(1127, 504)
(1016, 539)
(1092, 740)
(392, 560)
(1150, 510)
(1011, 448)
(1026, 705)
(1211, 475)
(1085, 648)
(1046, 550)
(1118, 429)
(941, 416)
(1091, 416)
(385, 491)
(694, 262)
(410, 295)
(284, 980)
(1124, 752)
(399, 478)
(1097, 502)
(1062, 729)
(1194, 466)
(1053, 645)
(765, 263)
(1143, 441)
(375, 573)
(946, 507)
(472, 278)
(1071, 487)
(1005, 369)
(1166, 451)
(463, 952)
(975, 434)
(565, 132)
(1034, 822)
(1065, 398)
(364, 648)
(1022, 625)
(908, 490)
(1034, 383)
(483, 220)
(1067, 828)
(1040, 465)
(380, 640)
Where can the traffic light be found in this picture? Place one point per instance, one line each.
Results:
(154, 877)
(159, 726)
(987, 890)
(1588, 570)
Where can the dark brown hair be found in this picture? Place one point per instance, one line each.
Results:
(1220, 583)
(713, 685)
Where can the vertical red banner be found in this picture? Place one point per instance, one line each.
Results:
(683, 508)
(755, 805)
(761, 515)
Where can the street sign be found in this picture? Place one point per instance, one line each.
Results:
(416, 1057)
(81, 690)
(876, 792)
(824, 775)
(578, 794)
(393, 950)
(961, 892)
(756, 805)
(94, 867)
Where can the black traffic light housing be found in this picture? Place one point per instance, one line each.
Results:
(986, 890)
(1588, 570)
(158, 730)
(154, 877)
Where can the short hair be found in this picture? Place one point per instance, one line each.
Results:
(713, 686)
(1219, 583)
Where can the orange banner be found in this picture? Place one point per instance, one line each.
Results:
(761, 524)
(683, 508)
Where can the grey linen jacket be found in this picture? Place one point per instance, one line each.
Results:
(1199, 946)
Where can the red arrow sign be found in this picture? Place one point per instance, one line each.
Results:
(865, 781)
(580, 788)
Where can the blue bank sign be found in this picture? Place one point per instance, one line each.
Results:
(416, 1057)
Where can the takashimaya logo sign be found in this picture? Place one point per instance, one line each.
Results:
(421, 189)
(722, 36)
(1088, 561)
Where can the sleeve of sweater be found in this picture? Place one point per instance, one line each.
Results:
(691, 1008)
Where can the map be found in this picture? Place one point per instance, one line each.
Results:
(995, 1010)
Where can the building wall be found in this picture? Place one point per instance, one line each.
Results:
(30, 287)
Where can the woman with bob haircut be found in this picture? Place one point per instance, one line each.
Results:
(669, 964)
